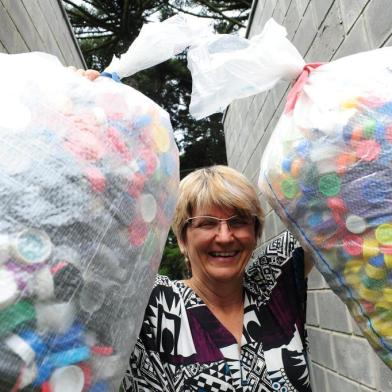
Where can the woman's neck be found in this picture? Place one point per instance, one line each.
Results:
(221, 295)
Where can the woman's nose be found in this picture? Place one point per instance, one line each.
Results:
(223, 231)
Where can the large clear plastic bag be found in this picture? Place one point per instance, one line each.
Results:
(88, 182)
(326, 169)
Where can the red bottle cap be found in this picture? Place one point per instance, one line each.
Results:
(368, 150)
(352, 244)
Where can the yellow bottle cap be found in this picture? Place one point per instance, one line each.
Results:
(384, 234)
(369, 248)
(369, 295)
(374, 272)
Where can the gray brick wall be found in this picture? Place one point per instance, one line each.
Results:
(39, 25)
(322, 30)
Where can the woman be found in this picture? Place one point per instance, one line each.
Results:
(230, 326)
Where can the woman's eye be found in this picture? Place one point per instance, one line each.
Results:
(237, 222)
(207, 223)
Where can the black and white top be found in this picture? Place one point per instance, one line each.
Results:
(183, 347)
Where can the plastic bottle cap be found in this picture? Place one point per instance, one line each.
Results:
(374, 284)
(28, 375)
(377, 261)
(148, 207)
(17, 314)
(5, 248)
(138, 232)
(289, 188)
(69, 357)
(336, 204)
(21, 348)
(329, 184)
(370, 248)
(161, 138)
(368, 150)
(352, 244)
(368, 294)
(32, 246)
(369, 126)
(356, 224)
(67, 379)
(286, 164)
(9, 291)
(92, 296)
(383, 234)
(296, 167)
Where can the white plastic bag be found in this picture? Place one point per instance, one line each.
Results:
(226, 67)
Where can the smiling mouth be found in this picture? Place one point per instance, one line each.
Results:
(224, 254)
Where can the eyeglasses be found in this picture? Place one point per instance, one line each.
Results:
(212, 224)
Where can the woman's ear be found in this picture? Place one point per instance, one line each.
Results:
(182, 246)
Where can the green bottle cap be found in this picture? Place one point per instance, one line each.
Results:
(289, 188)
(368, 128)
(329, 184)
(20, 313)
(373, 284)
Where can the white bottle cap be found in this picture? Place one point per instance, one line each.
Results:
(21, 348)
(28, 375)
(32, 246)
(5, 248)
(148, 207)
(67, 379)
(356, 224)
(9, 291)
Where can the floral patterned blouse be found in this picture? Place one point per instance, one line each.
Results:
(183, 347)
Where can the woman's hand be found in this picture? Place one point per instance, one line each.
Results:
(90, 74)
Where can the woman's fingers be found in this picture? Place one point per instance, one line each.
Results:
(90, 74)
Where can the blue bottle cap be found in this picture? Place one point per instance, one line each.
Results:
(303, 148)
(34, 341)
(377, 261)
(74, 337)
(142, 121)
(286, 164)
(45, 369)
(100, 386)
(69, 357)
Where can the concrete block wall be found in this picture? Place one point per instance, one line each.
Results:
(322, 30)
(39, 25)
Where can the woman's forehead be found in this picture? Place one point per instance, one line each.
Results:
(217, 211)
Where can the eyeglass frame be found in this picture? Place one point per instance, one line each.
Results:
(256, 222)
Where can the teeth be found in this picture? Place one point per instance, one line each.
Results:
(223, 254)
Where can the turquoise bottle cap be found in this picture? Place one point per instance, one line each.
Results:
(32, 246)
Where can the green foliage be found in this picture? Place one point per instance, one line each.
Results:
(172, 264)
(105, 28)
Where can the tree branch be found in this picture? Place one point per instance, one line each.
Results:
(219, 12)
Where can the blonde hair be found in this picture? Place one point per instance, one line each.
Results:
(216, 186)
